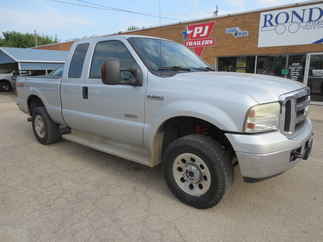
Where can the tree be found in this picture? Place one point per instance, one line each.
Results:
(21, 40)
(132, 28)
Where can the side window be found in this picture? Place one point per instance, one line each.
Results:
(116, 50)
(58, 73)
(77, 61)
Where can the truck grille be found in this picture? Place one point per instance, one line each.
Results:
(294, 110)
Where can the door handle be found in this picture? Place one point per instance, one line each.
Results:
(154, 97)
(85, 92)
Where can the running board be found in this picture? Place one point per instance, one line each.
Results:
(132, 153)
(64, 130)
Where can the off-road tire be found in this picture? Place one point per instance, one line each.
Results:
(51, 129)
(218, 161)
(5, 86)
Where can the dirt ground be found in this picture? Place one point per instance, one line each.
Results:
(67, 192)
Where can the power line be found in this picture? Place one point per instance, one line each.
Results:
(116, 9)
(75, 4)
(84, 3)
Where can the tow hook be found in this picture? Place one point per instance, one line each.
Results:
(296, 154)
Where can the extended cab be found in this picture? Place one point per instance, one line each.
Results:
(154, 101)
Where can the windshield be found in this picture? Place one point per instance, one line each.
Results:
(159, 55)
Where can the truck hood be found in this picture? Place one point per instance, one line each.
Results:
(262, 88)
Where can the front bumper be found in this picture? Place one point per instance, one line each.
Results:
(262, 156)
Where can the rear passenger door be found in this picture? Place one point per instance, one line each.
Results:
(116, 110)
(74, 105)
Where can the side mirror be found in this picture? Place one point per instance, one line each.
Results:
(110, 71)
(112, 74)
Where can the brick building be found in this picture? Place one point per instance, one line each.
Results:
(283, 41)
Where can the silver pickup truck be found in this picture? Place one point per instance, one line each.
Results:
(153, 101)
(7, 81)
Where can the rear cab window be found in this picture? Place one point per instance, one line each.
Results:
(58, 73)
(76, 65)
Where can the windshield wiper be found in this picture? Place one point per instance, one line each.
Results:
(173, 68)
(207, 68)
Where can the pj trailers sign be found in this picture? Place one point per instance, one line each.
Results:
(197, 36)
(292, 26)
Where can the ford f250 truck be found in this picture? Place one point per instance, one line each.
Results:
(154, 101)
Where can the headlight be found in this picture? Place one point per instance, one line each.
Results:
(262, 118)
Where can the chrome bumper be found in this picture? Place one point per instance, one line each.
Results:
(265, 155)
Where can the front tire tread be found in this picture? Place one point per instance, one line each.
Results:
(219, 163)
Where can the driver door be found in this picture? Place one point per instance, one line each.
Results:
(115, 110)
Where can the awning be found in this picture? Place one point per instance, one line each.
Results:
(33, 59)
(5, 59)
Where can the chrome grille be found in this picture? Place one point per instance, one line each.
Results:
(294, 110)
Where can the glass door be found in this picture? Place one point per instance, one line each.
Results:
(314, 76)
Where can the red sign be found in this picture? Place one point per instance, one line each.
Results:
(196, 36)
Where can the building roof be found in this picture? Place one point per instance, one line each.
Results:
(281, 6)
(34, 55)
(296, 4)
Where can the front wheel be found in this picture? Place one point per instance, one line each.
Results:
(197, 170)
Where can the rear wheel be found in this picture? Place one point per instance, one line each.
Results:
(197, 170)
(45, 130)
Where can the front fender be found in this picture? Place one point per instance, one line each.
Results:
(200, 110)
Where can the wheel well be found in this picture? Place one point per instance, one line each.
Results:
(5, 80)
(34, 101)
(177, 127)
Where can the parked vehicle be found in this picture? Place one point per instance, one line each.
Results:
(7, 81)
(153, 101)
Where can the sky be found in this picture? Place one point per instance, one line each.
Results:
(68, 22)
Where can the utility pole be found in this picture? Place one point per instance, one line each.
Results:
(216, 12)
(36, 38)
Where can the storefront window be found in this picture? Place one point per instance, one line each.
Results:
(296, 67)
(287, 66)
(227, 64)
(315, 77)
(244, 64)
(272, 65)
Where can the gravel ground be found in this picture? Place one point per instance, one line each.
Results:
(67, 192)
